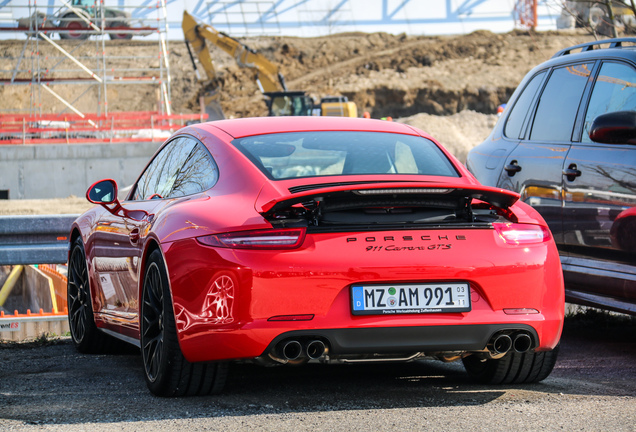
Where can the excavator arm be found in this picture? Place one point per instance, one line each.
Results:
(196, 34)
(280, 101)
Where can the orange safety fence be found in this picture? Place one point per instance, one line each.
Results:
(29, 326)
(28, 313)
(59, 285)
(72, 128)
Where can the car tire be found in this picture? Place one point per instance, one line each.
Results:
(513, 368)
(87, 338)
(166, 370)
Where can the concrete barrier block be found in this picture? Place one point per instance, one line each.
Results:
(68, 151)
(61, 170)
(20, 329)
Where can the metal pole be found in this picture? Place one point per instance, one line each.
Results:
(103, 40)
(37, 53)
(612, 18)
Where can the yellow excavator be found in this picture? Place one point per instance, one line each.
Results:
(280, 101)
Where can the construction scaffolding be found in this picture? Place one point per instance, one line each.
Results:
(75, 75)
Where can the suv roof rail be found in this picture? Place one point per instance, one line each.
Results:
(589, 46)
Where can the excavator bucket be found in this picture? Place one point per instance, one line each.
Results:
(210, 105)
(209, 94)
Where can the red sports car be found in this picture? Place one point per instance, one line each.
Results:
(286, 240)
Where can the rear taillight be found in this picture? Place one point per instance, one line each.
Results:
(289, 238)
(522, 234)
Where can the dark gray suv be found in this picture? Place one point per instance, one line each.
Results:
(567, 144)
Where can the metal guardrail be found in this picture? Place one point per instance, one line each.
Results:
(35, 239)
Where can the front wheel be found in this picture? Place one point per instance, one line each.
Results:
(167, 372)
(513, 368)
(86, 337)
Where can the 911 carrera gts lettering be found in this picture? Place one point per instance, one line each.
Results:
(392, 248)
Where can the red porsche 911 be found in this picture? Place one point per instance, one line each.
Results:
(288, 240)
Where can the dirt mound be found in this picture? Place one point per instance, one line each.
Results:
(459, 132)
(396, 75)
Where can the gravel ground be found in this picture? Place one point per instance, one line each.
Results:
(50, 387)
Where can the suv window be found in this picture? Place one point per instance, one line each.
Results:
(614, 90)
(520, 109)
(183, 167)
(559, 103)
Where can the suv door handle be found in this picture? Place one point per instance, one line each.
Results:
(571, 172)
(512, 168)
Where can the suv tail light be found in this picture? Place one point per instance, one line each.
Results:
(522, 234)
(289, 238)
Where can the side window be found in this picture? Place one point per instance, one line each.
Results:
(517, 115)
(559, 103)
(614, 90)
(161, 174)
(198, 173)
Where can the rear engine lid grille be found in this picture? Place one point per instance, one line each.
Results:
(305, 188)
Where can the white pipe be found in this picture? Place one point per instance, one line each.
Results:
(73, 59)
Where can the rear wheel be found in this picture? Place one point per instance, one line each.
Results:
(72, 23)
(113, 36)
(167, 372)
(86, 337)
(513, 368)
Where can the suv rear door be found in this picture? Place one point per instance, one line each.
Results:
(599, 189)
(534, 167)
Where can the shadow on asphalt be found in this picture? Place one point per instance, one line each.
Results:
(55, 384)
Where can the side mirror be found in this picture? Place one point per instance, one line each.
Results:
(102, 192)
(614, 128)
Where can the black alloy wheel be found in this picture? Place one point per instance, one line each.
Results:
(86, 337)
(166, 370)
(152, 322)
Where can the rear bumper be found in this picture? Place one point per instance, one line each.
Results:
(384, 340)
(315, 281)
(430, 335)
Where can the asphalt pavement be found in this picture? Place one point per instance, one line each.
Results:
(51, 387)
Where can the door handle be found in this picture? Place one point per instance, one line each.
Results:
(512, 168)
(571, 172)
(134, 235)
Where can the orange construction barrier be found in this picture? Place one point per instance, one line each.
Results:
(73, 128)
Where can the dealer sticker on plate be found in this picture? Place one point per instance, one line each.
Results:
(411, 298)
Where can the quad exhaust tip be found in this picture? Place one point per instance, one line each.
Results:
(519, 342)
(501, 344)
(294, 349)
(315, 349)
(522, 342)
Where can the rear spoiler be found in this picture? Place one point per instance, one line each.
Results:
(497, 197)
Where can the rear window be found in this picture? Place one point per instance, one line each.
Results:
(313, 154)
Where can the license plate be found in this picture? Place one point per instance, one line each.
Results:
(410, 299)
